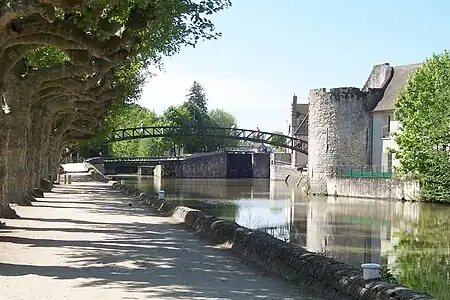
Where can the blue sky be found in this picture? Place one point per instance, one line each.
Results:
(269, 51)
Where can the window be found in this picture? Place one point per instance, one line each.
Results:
(389, 162)
(386, 162)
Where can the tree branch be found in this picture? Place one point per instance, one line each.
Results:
(64, 103)
(23, 29)
(19, 8)
(43, 39)
(80, 129)
(70, 70)
(92, 119)
(62, 127)
(9, 60)
(66, 3)
(69, 83)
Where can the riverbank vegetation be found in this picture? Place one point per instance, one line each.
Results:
(422, 253)
(423, 109)
(66, 65)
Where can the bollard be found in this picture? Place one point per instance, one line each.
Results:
(69, 179)
(65, 178)
(371, 271)
(161, 195)
(122, 182)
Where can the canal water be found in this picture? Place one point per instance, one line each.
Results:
(411, 239)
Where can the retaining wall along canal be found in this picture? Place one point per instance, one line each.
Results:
(335, 279)
(379, 188)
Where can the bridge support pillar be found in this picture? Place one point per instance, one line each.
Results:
(139, 170)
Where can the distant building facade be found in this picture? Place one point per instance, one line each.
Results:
(299, 129)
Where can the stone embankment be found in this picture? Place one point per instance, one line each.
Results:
(336, 279)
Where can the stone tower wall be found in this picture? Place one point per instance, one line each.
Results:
(339, 133)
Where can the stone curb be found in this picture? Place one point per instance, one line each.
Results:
(96, 174)
(295, 264)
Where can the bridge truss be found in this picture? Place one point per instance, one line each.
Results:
(256, 136)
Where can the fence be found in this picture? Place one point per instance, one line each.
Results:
(366, 171)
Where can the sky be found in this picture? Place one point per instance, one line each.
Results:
(273, 49)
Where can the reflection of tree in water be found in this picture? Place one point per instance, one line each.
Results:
(423, 254)
(227, 212)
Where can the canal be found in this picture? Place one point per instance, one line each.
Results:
(411, 239)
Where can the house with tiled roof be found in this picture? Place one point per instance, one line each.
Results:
(383, 121)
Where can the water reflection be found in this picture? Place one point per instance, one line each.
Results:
(413, 239)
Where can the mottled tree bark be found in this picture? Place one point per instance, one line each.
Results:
(18, 93)
(37, 143)
(5, 209)
(45, 140)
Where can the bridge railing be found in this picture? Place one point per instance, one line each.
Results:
(281, 140)
(140, 159)
(364, 171)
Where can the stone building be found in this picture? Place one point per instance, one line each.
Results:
(299, 129)
(350, 127)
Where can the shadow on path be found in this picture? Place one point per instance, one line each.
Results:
(105, 243)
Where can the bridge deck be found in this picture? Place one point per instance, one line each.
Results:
(256, 136)
(84, 242)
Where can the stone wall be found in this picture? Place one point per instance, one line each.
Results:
(95, 173)
(97, 162)
(211, 165)
(380, 188)
(288, 174)
(339, 131)
(334, 279)
(298, 158)
(281, 169)
(261, 165)
(280, 157)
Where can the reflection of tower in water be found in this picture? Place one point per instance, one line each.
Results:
(343, 231)
(353, 231)
(297, 218)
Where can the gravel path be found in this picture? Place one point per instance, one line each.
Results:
(84, 242)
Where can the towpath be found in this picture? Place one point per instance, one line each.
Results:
(83, 241)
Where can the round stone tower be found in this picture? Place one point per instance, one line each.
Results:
(338, 134)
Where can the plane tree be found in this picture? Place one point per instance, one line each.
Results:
(64, 62)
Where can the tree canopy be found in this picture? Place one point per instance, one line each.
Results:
(423, 109)
(279, 140)
(67, 65)
(222, 118)
(186, 116)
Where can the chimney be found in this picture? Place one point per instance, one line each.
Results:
(294, 99)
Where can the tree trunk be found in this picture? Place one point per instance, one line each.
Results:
(37, 145)
(53, 160)
(44, 171)
(5, 209)
(17, 134)
(17, 142)
(40, 143)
